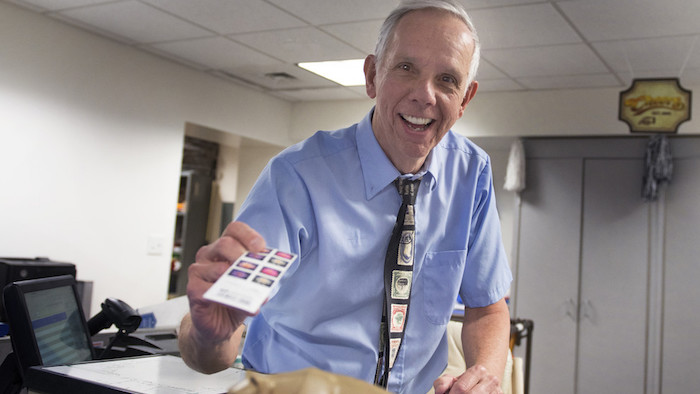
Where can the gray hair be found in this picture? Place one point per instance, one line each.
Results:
(407, 6)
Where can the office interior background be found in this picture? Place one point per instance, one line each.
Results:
(97, 97)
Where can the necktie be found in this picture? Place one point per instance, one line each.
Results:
(398, 277)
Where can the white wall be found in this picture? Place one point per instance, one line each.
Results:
(91, 138)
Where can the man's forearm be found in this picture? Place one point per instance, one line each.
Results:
(485, 336)
(207, 356)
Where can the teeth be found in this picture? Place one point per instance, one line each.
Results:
(418, 121)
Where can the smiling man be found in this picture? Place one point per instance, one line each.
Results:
(332, 200)
(422, 85)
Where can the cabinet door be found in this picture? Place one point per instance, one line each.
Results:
(548, 268)
(681, 329)
(613, 289)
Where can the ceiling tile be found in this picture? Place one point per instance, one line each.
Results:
(361, 35)
(600, 20)
(536, 41)
(230, 16)
(650, 54)
(136, 21)
(338, 93)
(54, 5)
(544, 61)
(265, 76)
(520, 26)
(569, 82)
(689, 77)
(216, 52)
(497, 85)
(474, 4)
(319, 12)
(299, 45)
(488, 71)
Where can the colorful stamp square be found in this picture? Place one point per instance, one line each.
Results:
(256, 256)
(394, 344)
(239, 274)
(270, 271)
(398, 317)
(261, 280)
(284, 255)
(401, 284)
(247, 265)
(278, 262)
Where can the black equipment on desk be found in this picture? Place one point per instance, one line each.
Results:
(15, 269)
(47, 324)
(48, 327)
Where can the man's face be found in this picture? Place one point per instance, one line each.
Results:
(420, 85)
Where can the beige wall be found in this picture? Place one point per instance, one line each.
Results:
(580, 112)
(91, 141)
(253, 160)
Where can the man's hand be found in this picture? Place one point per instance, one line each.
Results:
(206, 335)
(213, 320)
(475, 380)
(485, 333)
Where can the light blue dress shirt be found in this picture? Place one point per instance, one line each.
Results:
(331, 200)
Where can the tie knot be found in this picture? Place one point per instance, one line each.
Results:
(408, 189)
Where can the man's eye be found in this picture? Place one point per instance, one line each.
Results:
(405, 67)
(449, 79)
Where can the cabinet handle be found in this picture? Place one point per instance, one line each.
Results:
(571, 310)
(588, 311)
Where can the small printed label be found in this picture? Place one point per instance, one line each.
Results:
(247, 284)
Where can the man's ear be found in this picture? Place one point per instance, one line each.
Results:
(468, 96)
(370, 73)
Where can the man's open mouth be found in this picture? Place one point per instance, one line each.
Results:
(416, 123)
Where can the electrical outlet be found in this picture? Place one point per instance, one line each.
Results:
(155, 245)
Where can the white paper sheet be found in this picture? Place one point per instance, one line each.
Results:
(152, 374)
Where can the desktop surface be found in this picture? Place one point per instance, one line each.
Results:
(147, 374)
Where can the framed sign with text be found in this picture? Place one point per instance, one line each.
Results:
(655, 105)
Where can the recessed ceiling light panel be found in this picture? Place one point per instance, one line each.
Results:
(343, 72)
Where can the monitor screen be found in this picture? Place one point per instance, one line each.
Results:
(47, 325)
(57, 326)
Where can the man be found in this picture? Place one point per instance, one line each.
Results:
(331, 200)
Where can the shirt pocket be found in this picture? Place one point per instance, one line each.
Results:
(442, 277)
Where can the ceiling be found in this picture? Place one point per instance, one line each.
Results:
(527, 44)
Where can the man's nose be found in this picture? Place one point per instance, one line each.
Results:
(423, 91)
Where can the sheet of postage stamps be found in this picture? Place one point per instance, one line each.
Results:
(247, 284)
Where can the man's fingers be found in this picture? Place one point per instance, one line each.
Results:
(476, 380)
(245, 235)
(443, 384)
(209, 272)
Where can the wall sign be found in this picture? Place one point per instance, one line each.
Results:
(655, 105)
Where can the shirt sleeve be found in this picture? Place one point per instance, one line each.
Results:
(487, 275)
(278, 208)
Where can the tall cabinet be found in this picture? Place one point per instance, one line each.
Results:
(590, 265)
(681, 287)
(190, 225)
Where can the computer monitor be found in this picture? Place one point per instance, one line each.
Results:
(47, 324)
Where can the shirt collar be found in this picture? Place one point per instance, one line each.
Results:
(377, 170)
